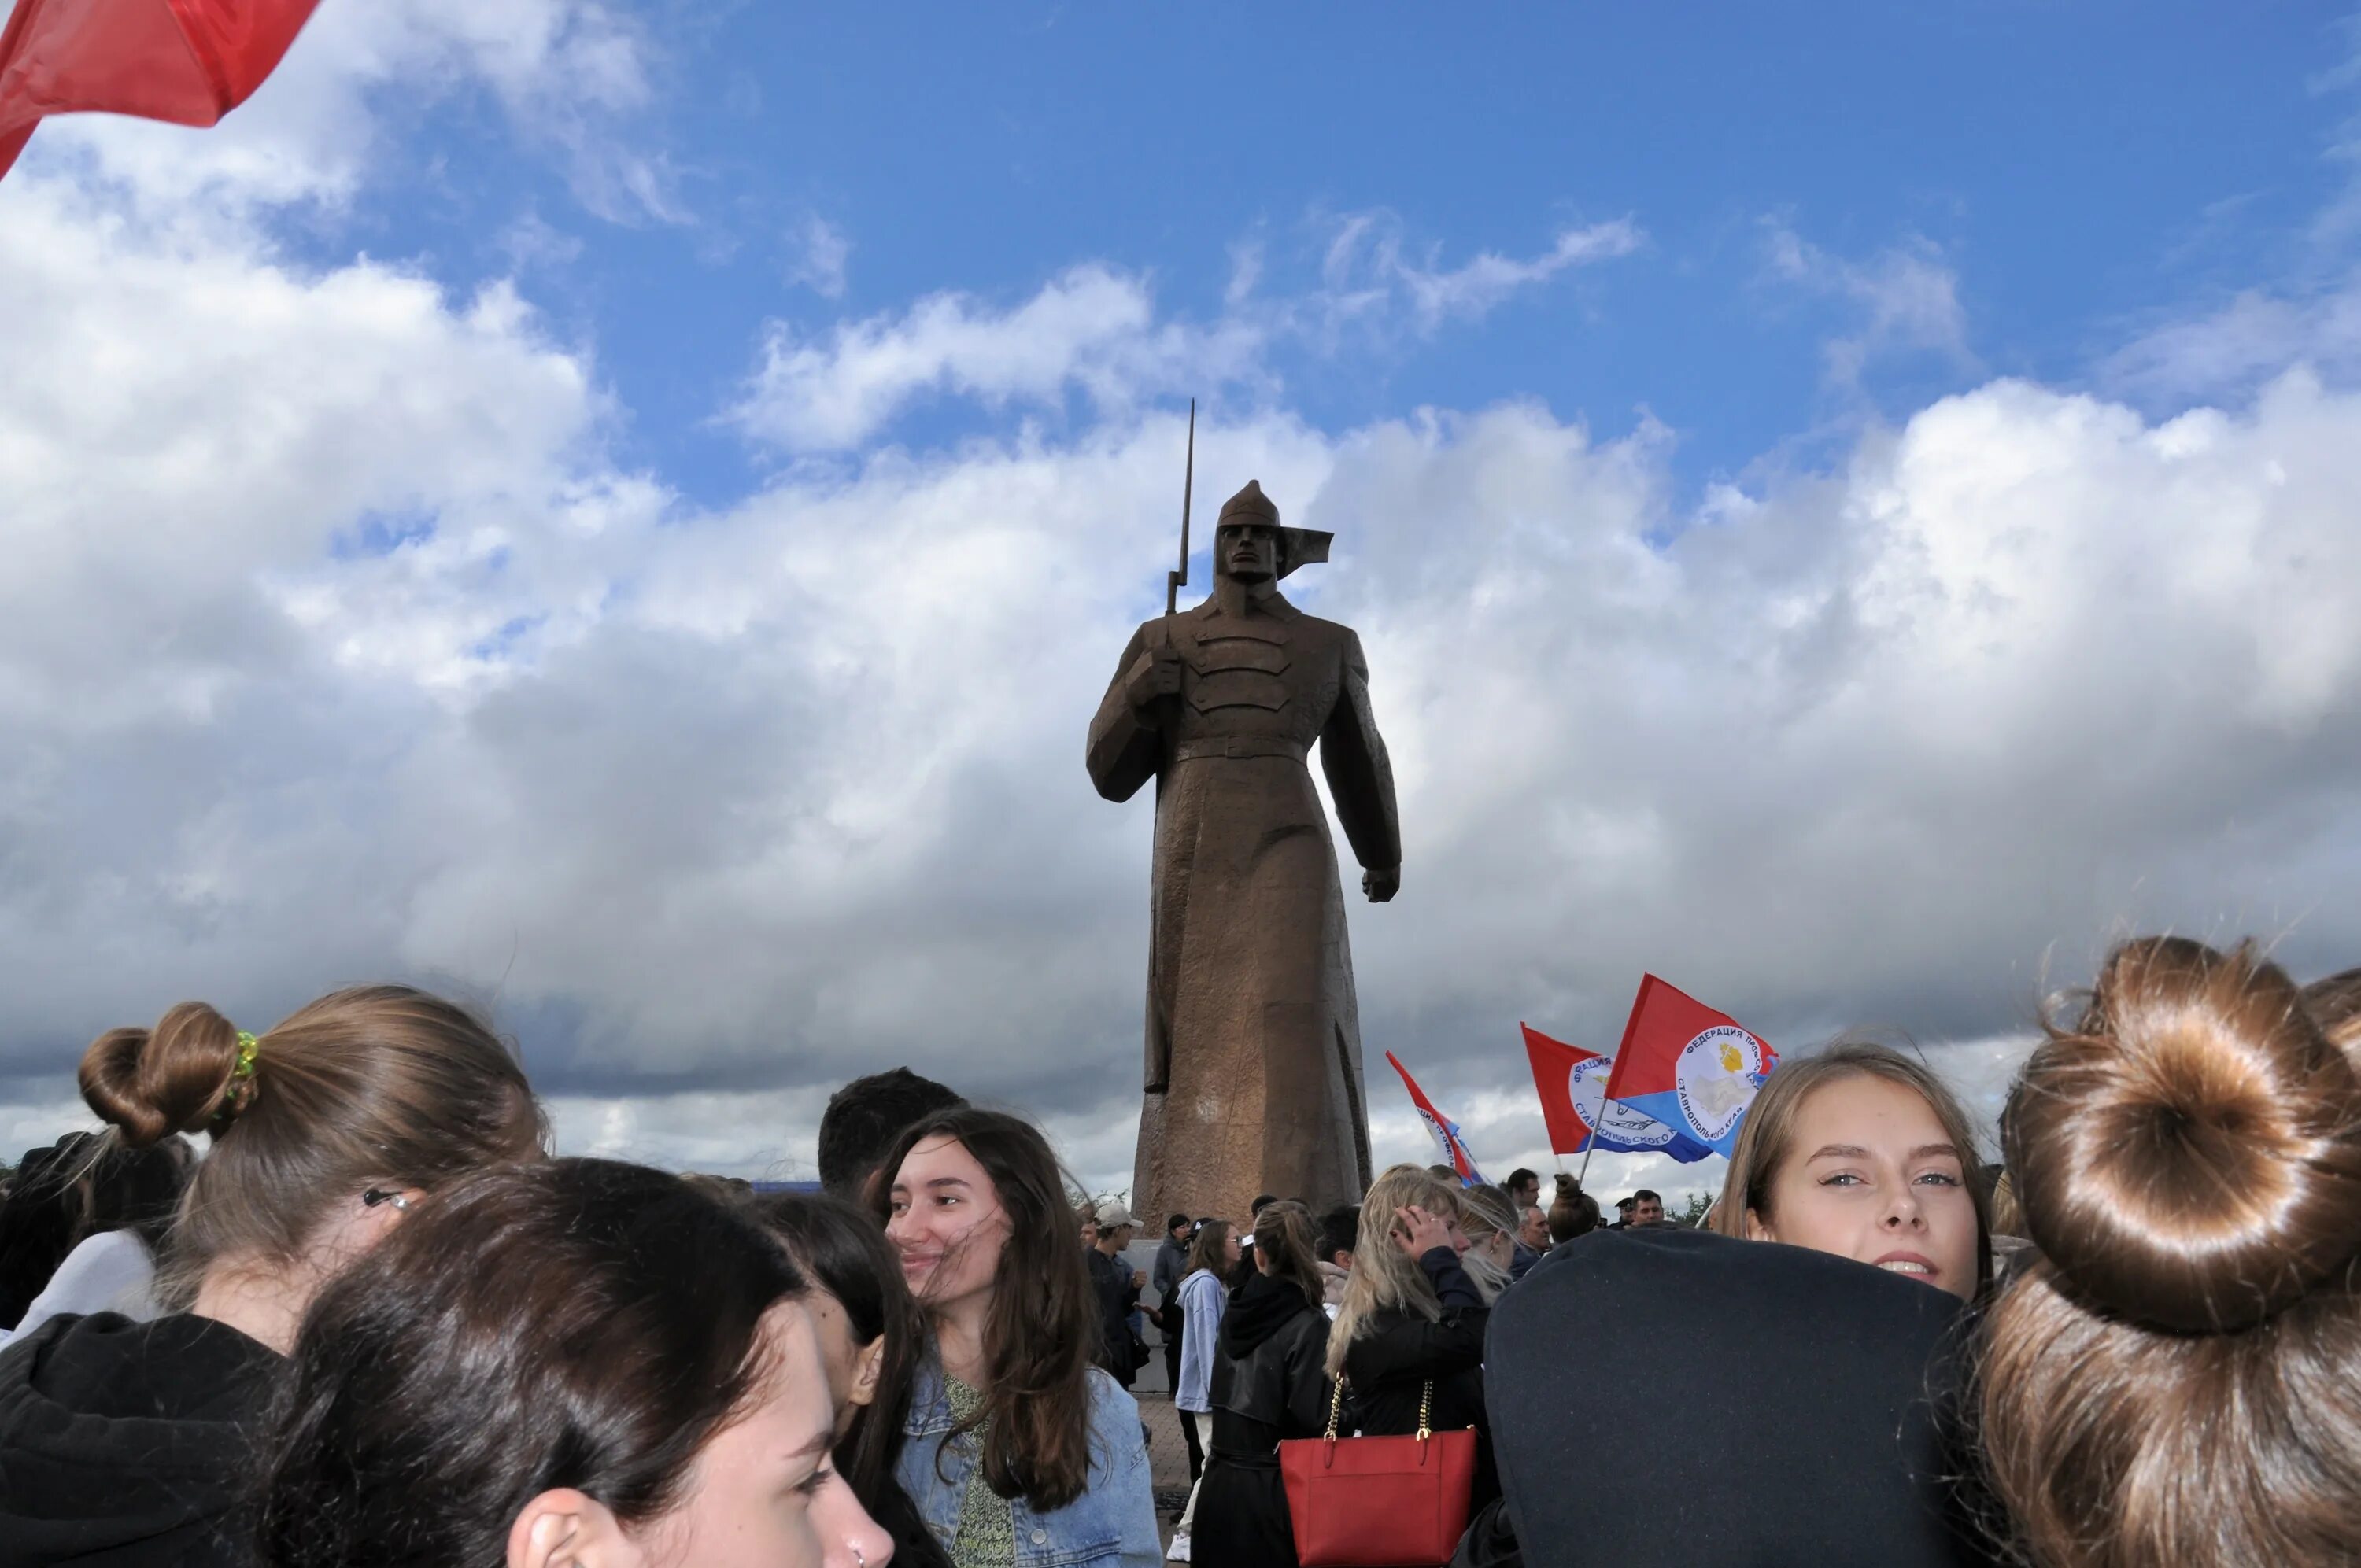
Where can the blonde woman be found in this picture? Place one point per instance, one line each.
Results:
(1491, 1222)
(1863, 1153)
(1412, 1318)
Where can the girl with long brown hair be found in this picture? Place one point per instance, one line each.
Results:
(1015, 1441)
(1213, 1254)
(1861, 1152)
(131, 1440)
(2173, 1377)
(1270, 1383)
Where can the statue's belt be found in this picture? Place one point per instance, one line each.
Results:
(1239, 746)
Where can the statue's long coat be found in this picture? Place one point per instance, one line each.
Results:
(1254, 1049)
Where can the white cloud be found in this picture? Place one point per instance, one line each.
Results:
(2230, 350)
(1093, 329)
(1908, 298)
(821, 250)
(1367, 268)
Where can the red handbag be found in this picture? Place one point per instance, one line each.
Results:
(1378, 1502)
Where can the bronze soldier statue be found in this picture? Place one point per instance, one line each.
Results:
(1253, 1046)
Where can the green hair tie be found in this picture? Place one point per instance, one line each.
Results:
(240, 1088)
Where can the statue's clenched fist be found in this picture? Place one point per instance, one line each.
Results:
(1154, 675)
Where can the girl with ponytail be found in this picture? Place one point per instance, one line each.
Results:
(2174, 1379)
(1270, 1383)
(132, 1442)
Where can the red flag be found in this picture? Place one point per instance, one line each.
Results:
(1446, 1132)
(1689, 1066)
(1553, 1062)
(189, 61)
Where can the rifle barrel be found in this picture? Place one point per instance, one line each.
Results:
(1175, 581)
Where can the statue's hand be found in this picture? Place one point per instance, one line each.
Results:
(1154, 676)
(1381, 882)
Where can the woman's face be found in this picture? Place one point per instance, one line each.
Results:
(1871, 1175)
(1232, 1250)
(764, 1492)
(947, 1224)
(851, 1366)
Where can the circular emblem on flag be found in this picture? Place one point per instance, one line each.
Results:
(1714, 1076)
(1586, 1085)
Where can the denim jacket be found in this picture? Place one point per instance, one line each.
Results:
(1112, 1523)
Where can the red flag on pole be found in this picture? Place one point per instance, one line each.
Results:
(1687, 1065)
(1446, 1132)
(1572, 1083)
(189, 61)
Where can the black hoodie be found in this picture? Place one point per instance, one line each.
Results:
(1270, 1381)
(127, 1445)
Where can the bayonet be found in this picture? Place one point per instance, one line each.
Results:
(1175, 581)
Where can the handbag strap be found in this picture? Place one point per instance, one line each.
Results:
(1425, 1408)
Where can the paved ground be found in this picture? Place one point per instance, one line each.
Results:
(1168, 1452)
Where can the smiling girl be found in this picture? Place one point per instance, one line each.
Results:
(1861, 1152)
(1020, 1451)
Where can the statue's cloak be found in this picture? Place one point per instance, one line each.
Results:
(1253, 1039)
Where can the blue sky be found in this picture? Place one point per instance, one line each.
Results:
(2078, 169)
(623, 512)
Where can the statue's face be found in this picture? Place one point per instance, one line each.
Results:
(1246, 551)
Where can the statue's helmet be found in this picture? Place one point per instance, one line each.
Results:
(1297, 546)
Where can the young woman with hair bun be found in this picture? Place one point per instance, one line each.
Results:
(132, 1442)
(570, 1363)
(1019, 1451)
(1861, 1152)
(2176, 1377)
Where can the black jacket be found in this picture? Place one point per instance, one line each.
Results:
(1398, 1353)
(1111, 1279)
(1787, 1401)
(1269, 1380)
(127, 1445)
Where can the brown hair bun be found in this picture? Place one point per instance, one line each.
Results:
(151, 1083)
(2188, 1154)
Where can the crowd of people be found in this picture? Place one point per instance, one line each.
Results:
(378, 1323)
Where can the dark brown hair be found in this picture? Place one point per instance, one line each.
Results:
(1572, 1213)
(841, 1250)
(381, 1085)
(572, 1322)
(1044, 1318)
(2177, 1377)
(861, 1119)
(1206, 1250)
(1283, 1234)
